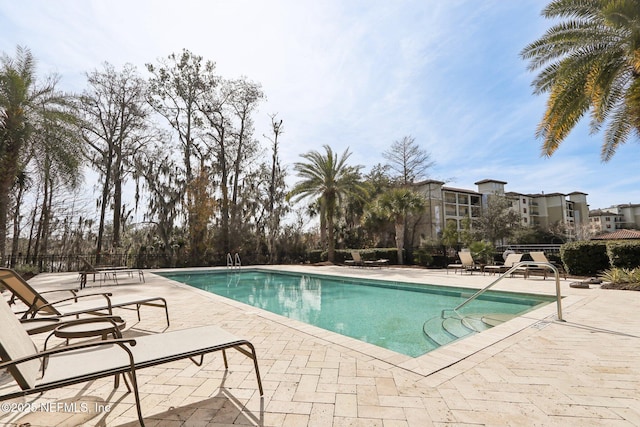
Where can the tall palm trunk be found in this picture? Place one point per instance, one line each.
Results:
(400, 239)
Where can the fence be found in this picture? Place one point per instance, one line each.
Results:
(61, 263)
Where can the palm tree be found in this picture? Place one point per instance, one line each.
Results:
(26, 108)
(590, 62)
(396, 204)
(327, 178)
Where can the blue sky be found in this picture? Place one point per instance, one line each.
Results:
(352, 74)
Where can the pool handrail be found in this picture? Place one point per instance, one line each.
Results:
(512, 270)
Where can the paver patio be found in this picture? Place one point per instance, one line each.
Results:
(532, 370)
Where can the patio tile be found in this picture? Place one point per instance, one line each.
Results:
(534, 370)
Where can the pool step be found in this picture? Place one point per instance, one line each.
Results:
(494, 319)
(435, 332)
(456, 327)
(444, 331)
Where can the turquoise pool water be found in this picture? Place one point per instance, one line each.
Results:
(387, 314)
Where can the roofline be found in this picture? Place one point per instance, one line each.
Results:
(484, 181)
(461, 190)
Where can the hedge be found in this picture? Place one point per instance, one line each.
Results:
(593, 257)
(624, 254)
(584, 258)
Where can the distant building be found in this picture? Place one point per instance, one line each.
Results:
(617, 217)
(448, 204)
(605, 221)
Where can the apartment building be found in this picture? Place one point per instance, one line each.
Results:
(447, 204)
(614, 218)
(605, 221)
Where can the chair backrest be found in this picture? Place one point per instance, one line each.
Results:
(23, 291)
(512, 259)
(86, 266)
(14, 344)
(356, 256)
(466, 258)
(538, 256)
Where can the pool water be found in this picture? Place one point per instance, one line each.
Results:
(386, 314)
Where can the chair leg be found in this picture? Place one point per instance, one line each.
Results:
(224, 356)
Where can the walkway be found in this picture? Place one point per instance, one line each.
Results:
(530, 371)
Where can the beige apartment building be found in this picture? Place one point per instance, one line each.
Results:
(614, 218)
(446, 204)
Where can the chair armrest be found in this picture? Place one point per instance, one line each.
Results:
(74, 291)
(34, 310)
(76, 297)
(112, 319)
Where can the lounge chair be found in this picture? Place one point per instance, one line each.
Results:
(541, 257)
(466, 263)
(511, 260)
(105, 273)
(99, 303)
(38, 371)
(377, 263)
(356, 261)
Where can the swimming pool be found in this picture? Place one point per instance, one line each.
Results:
(387, 314)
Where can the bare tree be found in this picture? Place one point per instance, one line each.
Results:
(276, 206)
(162, 179)
(115, 127)
(408, 160)
(227, 113)
(177, 89)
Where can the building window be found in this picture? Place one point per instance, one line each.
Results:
(524, 210)
(524, 201)
(449, 198)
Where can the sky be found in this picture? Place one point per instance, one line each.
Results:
(356, 75)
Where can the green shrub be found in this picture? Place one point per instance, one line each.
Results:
(421, 256)
(316, 255)
(584, 258)
(624, 254)
(482, 251)
(621, 275)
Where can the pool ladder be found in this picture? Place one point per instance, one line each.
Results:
(234, 261)
(470, 322)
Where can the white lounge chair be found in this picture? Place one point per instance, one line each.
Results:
(466, 263)
(37, 371)
(538, 256)
(100, 303)
(509, 262)
(356, 259)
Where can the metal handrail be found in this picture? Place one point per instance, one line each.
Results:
(514, 268)
(233, 261)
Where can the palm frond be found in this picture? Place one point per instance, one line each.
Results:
(619, 129)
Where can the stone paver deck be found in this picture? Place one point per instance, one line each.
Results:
(532, 370)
